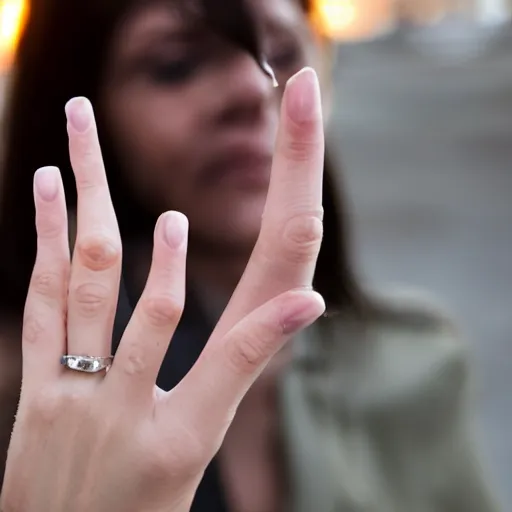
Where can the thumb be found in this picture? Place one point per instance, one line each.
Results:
(210, 394)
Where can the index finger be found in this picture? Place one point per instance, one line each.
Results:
(287, 249)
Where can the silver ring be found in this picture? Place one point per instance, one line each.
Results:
(86, 364)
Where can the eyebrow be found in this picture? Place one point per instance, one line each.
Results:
(166, 36)
(283, 24)
(162, 26)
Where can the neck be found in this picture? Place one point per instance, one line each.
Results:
(218, 270)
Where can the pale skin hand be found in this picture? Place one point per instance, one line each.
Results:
(112, 442)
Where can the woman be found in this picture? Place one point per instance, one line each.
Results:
(72, 448)
(364, 411)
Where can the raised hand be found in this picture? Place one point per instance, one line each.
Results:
(110, 440)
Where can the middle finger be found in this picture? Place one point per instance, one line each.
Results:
(96, 265)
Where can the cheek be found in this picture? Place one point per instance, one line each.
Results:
(154, 143)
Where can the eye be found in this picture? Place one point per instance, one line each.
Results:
(286, 57)
(284, 53)
(172, 71)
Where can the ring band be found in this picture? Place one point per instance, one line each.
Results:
(86, 364)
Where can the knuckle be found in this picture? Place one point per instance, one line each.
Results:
(85, 156)
(50, 406)
(156, 466)
(74, 403)
(246, 353)
(302, 237)
(33, 329)
(301, 148)
(189, 454)
(192, 456)
(159, 464)
(50, 225)
(91, 298)
(98, 252)
(162, 311)
(48, 283)
(136, 360)
(155, 463)
(88, 153)
(85, 183)
(46, 407)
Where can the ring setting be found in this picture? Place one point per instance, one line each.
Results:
(86, 364)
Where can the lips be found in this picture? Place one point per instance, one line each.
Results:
(246, 166)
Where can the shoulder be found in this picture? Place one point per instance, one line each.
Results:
(401, 318)
(417, 323)
(411, 309)
(415, 327)
(409, 354)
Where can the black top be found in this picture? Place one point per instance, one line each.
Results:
(188, 342)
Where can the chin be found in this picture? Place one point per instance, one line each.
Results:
(241, 234)
(231, 235)
(245, 221)
(234, 223)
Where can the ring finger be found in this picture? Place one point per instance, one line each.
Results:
(96, 265)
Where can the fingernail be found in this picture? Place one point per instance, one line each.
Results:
(302, 96)
(46, 182)
(310, 307)
(79, 113)
(175, 229)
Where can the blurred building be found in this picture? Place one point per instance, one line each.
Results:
(352, 20)
(345, 20)
(422, 11)
(493, 10)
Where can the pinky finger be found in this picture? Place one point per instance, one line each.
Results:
(44, 332)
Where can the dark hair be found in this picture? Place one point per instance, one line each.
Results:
(59, 56)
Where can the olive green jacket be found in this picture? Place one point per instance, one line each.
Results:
(376, 419)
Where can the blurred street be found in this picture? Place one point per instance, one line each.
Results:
(427, 150)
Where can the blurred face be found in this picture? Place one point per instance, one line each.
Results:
(193, 118)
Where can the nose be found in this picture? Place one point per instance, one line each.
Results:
(243, 93)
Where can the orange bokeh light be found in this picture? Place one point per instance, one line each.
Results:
(351, 19)
(12, 16)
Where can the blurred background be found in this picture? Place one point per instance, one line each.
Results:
(423, 123)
